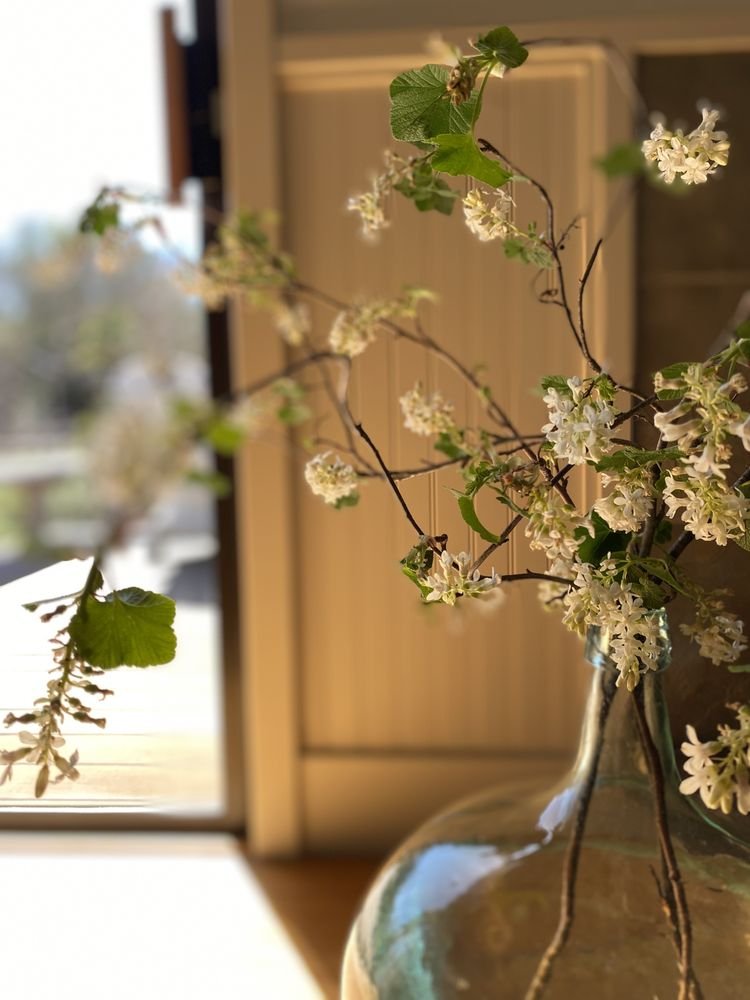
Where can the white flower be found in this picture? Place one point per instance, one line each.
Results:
(741, 427)
(629, 503)
(580, 427)
(712, 511)
(488, 220)
(551, 525)
(331, 480)
(692, 157)
(450, 578)
(355, 329)
(632, 630)
(292, 320)
(720, 637)
(426, 416)
(718, 770)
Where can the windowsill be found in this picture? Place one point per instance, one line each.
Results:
(158, 916)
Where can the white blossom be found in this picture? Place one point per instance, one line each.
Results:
(451, 578)
(692, 157)
(292, 320)
(708, 508)
(551, 525)
(712, 415)
(580, 427)
(426, 415)
(719, 635)
(719, 769)
(330, 479)
(355, 329)
(488, 218)
(629, 504)
(632, 631)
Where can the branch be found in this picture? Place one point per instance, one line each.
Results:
(573, 855)
(409, 516)
(689, 988)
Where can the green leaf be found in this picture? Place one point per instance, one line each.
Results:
(428, 192)
(128, 628)
(631, 457)
(421, 106)
(558, 382)
(224, 436)
(623, 161)
(469, 514)
(460, 156)
(528, 250)
(676, 370)
(446, 444)
(739, 668)
(99, 217)
(219, 484)
(350, 500)
(593, 549)
(411, 574)
(502, 45)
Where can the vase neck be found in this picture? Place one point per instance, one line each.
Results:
(611, 721)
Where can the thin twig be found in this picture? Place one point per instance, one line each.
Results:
(409, 516)
(573, 854)
(688, 983)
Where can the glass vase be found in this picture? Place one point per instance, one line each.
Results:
(611, 886)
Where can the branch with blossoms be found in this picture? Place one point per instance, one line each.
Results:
(608, 566)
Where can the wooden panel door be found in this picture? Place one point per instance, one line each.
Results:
(366, 710)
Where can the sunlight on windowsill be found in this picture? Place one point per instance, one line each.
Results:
(144, 916)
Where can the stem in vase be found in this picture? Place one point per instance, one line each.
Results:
(673, 891)
(573, 853)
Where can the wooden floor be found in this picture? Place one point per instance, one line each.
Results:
(316, 899)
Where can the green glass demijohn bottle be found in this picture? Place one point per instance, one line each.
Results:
(611, 886)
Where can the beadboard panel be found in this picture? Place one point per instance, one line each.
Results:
(377, 670)
(367, 803)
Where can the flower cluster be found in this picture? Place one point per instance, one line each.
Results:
(581, 416)
(292, 320)
(372, 206)
(713, 416)
(489, 219)
(692, 157)
(552, 524)
(630, 501)
(711, 511)
(426, 415)
(451, 577)
(720, 637)
(600, 599)
(333, 480)
(719, 770)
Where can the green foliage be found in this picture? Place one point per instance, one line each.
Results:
(625, 160)
(460, 156)
(421, 106)
(501, 45)
(529, 248)
(102, 214)
(673, 371)
(219, 484)
(739, 668)
(350, 500)
(469, 514)
(129, 627)
(447, 444)
(428, 192)
(631, 457)
(416, 564)
(593, 548)
(557, 382)
(292, 410)
(224, 436)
